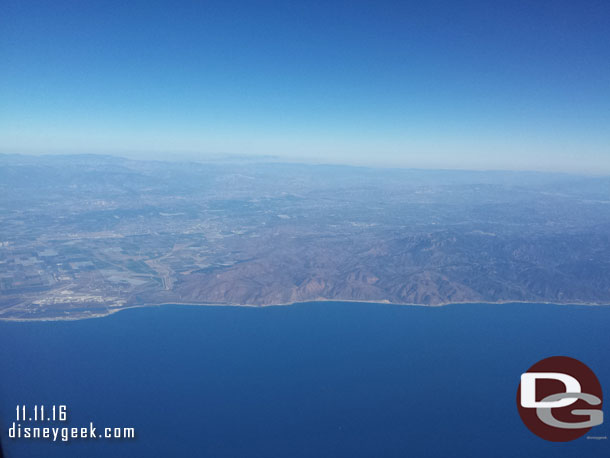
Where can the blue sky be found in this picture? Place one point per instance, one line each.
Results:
(468, 84)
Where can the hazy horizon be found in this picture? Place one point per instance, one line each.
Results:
(182, 157)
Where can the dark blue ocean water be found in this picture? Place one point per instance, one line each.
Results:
(312, 380)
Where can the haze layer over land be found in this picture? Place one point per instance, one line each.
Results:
(89, 235)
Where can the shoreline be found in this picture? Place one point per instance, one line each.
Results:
(110, 312)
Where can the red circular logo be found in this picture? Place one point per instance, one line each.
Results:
(560, 399)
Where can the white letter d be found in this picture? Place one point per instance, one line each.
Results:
(528, 389)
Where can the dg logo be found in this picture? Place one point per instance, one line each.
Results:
(560, 399)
